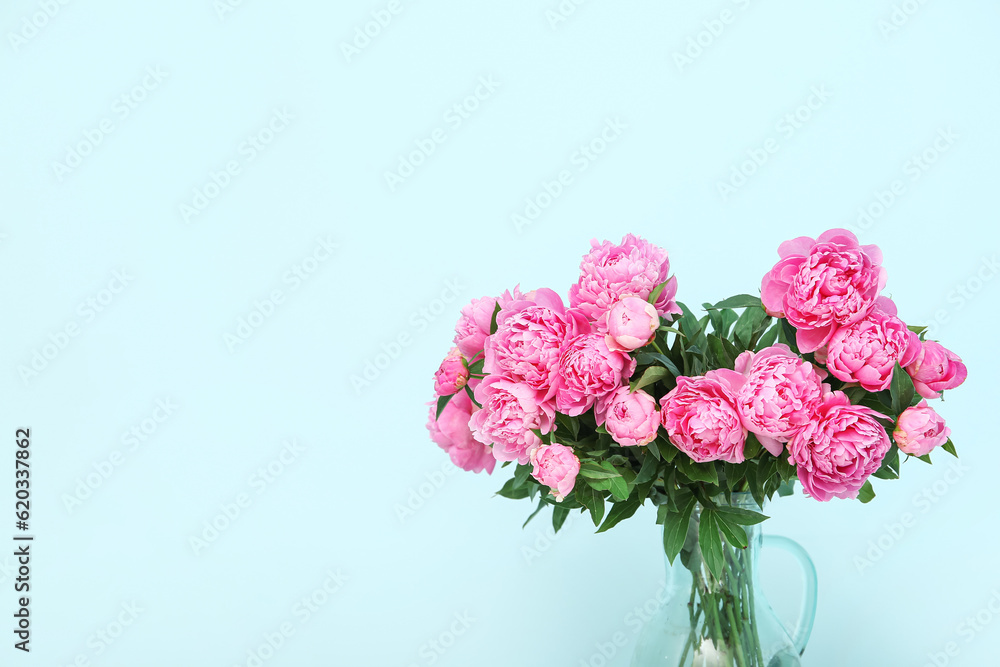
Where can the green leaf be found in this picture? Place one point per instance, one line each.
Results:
(739, 301)
(619, 512)
(740, 516)
(867, 493)
(787, 489)
(521, 474)
(916, 329)
(472, 397)
(657, 291)
(593, 500)
(541, 504)
(735, 473)
(572, 424)
(477, 367)
(595, 470)
(654, 449)
(948, 447)
(648, 358)
(711, 542)
(442, 401)
(661, 514)
(901, 390)
(789, 336)
(493, 320)
(787, 470)
(747, 325)
(650, 465)
(732, 531)
(769, 338)
(752, 447)
(755, 485)
(729, 318)
(652, 374)
(722, 356)
(890, 465)
(675, 529)
(619, 488)
(559, 515)
(856, 394)
(926, 458)
(715, 317)
(697, 472)
(512, 491)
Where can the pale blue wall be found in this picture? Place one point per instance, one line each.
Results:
(361, 454)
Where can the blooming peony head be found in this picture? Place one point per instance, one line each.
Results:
(780, 396)
(474, 324)
(867, 351)
(611, 271)
(452, 434)
(701, 417)
(451, 375)
(556, 466)
(509, 414)
(920, 429)
(529, 340)
(823, 284)
(632, 418)
(935, 369)
(631, 324)
(587, 371)
(837, 451)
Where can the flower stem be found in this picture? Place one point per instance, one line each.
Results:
(748, 583)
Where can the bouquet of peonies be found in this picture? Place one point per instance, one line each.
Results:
(627, 396)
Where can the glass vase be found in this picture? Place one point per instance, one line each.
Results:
(725, 622)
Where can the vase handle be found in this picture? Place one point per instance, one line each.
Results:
(807, 615)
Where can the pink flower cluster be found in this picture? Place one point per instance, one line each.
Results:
(545, 357)
(829, 289)
(522, 358)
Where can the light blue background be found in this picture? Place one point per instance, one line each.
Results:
(335, 507)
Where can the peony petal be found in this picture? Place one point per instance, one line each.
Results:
(775, 447)
(810, 340)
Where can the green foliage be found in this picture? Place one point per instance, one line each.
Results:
(442, 402)
(867, 493)
(493, 319)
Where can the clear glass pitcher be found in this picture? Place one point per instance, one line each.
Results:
(726, 622)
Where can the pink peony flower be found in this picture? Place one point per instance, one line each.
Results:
(556, 466)
(529, 339)
(632, 418)
(780, 396)
(867, 351)
(837, 451)
(452, 434)
(510, 411)
(920, 429)
(474, 325)
(452, 375)
(823, 284)
(631, 324)
(587, 372)
(609, 272)
(702, 419)
(935, 369)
